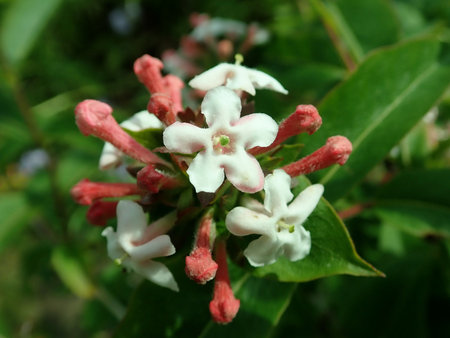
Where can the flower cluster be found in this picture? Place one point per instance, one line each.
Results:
(202, 173)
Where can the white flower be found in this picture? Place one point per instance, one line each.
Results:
(135, 244)
(279, 224)
(111, 156)
(222, 145)
(236, 77)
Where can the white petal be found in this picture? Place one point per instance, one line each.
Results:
(212, 78)
(278, 192)
(304, 204)
(157, 273)
(296, 245)
(255, 130)
(114, 249)
(185, 138)
(239, 79)
(221, 107)
(242, 221)
(142, 120)
(243, 171)
(160, 246)
(159, 227)
(254, 205)
(110, 157)
(263, 80)
(262, 251)
(205, 173)
(131, 223)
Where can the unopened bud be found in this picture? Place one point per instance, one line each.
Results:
(305, 119)
(101, 211)
(153, 180)
(148, 70)
(224, 305)
(335, 151)
(95, 118)
(85, 191)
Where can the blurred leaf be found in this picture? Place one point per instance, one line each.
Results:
(426, 185)
(69, 268)
(377, 105)
(15, 214)
(263, 302)
(332, 250)
(364, 18)
(150, 138)
(22, 23)
(419, 219)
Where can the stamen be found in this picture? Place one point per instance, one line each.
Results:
(239, 58)
(119, 261)
(283, 225)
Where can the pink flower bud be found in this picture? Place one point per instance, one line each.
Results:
(173, 85)
(153, 180)
(85, 191)
(101, 211)
(224, 305)
(95, 118)
(305, 119)
(335, 151)
(200, 267)
(148, 71)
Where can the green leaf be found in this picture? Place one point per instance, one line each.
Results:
(150, 138)
(22, 24)
(69, 268)
(416, 218)
(332, 250)
(426, 185)
(376, 106)
(15, 215)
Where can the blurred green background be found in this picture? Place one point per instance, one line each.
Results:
(55, 276)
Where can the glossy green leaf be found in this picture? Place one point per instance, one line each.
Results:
(332, 250)
(377, 105)
(416, 218)
(22, 24)
(69, 268)
(15, 214)
(150, 138)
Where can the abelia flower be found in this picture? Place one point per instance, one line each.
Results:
(223, 145)
(111, 156)
(135, 244)
(236, 77)
(279, 224)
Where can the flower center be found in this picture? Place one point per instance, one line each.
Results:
(282, 225)
(222, 144)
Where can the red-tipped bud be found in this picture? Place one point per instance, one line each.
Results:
(85, 191)
(335, 151)
(224, 305)
(200, 267)
(160, 104)
(95, 118)
(148, 71)
(174, 85)
(101, 211)
(153, 180)
(305, 119)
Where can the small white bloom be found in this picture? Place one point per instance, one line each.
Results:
(236, 77)
(111, 156)
(279, 224)
(223, 145)
(135, 244)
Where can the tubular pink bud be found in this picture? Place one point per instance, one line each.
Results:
(161, 105)
(305, 119)
(85, 191)
(101, 211)
(174, 85)
(153, 180)
(224, 305)
(200, 267)
(95, 118)
(335, 151)
(148, 71)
